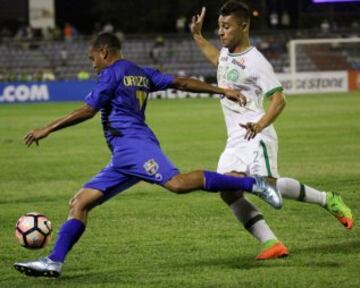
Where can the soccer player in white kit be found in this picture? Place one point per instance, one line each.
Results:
(252, 143)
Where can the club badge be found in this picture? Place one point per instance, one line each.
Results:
(151, 167)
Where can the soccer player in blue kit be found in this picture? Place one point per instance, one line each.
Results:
(121, 96)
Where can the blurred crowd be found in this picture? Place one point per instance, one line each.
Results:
(63, 50)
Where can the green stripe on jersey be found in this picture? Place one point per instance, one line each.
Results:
(272, 91)
(266, 156)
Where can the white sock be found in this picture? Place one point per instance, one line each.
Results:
(293, 189)
(252, 220)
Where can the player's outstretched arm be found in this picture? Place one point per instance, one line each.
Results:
(77, 116)
(209, 50)
(277, 105)
(193, 85)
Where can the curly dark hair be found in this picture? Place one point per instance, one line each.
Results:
(108, 40)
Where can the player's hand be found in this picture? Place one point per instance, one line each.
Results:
(252, 129)
(197, 22)
(35, 136)
(236, 96)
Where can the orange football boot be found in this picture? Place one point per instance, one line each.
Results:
(273, 249)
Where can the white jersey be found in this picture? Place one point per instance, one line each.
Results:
(251, 73)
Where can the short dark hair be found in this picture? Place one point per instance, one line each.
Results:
(238, 8)
(109, 40)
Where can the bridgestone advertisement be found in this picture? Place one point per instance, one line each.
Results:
(318, 82)
(59, 91)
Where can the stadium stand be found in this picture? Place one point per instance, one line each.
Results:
(178, 55)
(318, 57)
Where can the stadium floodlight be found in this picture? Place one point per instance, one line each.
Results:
(334, 1)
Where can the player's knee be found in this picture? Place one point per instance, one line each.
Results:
(230, 198)
(175, 185)
(76, 204)
(176, 188)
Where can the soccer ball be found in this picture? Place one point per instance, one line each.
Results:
(33, 230)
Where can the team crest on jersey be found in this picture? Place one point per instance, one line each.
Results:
(232, 75)
(151, 167)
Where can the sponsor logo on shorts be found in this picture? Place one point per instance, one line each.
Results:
(151, 167)
(158, 177)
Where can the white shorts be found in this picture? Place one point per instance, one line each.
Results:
(255, 157)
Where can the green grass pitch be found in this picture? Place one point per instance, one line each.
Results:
(147, 237)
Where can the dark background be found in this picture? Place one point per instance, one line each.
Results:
(150, 16)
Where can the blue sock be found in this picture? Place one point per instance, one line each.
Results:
(69, 234)
(215, 182)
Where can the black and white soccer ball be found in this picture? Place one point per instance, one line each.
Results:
(33, 230)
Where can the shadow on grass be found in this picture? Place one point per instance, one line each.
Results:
(84, 276)
(249, 262)
(346, 247)
(92, 277)
(129, 276)
(244, 263)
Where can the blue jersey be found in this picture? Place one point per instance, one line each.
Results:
(121, 95)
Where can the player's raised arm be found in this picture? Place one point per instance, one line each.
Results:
(79, 115)
(193, 85)
(210, 51)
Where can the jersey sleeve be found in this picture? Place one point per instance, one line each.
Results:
(158, 81)
(103, 92)
(266, 78)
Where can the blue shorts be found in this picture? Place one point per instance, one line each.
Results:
(132, 161)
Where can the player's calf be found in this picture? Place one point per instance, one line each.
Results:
(83, 201)
(215, 182)
(185, 183)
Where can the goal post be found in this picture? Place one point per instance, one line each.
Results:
(316, 51)
(322, 65)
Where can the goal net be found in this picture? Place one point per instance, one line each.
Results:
(335, 54)
(322, 65)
